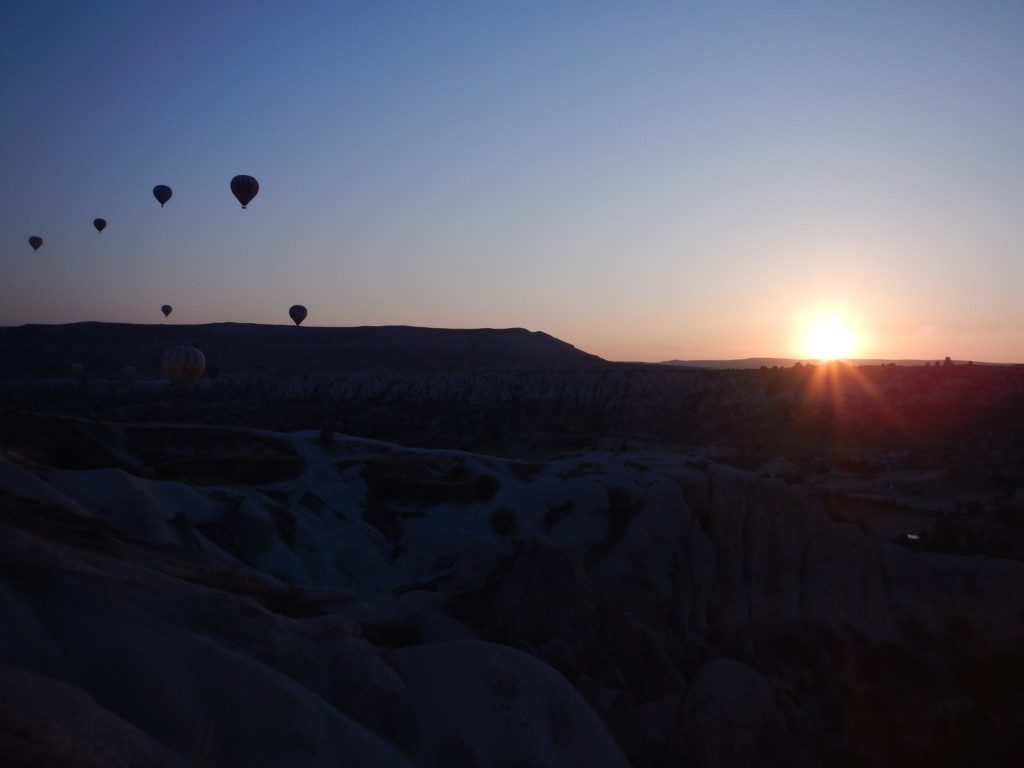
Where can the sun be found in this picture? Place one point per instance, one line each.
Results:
(830, 339)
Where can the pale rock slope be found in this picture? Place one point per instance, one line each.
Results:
(386, 605)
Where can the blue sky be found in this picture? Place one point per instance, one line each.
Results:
(646, 181)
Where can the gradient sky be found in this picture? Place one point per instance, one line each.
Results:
(646, 181)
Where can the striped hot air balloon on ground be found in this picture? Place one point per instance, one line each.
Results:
(183, 366)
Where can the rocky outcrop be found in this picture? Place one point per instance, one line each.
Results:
(407, 606)
(730, 717)
(46, 722)
(486, 704)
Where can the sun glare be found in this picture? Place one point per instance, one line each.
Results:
(830, 339)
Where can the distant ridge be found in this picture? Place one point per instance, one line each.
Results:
(106, 348)
(787, 362)
(748, 362)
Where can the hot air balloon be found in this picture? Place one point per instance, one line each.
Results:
(182, 366)
(162, 193)
(297, 313)
(100, 224)
(166, 309)
(35, 241)
(245, 188)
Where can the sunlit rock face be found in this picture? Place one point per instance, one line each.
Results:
(268, 598)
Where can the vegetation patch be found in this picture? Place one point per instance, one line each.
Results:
(622, 508)
(212, 455)
(392, 634)
(526, 471)
(557, 512)
(221, 533)
(386, 520)
(58, 442)
(583, 470)
(289, 604)
(243, 469)
(426, 481)
(281, 497)
(311, 500)
(859, 465)
(503, 521)
(832, 513)
(285, 523)
(958, 534)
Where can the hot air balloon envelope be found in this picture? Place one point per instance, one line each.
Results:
(245, 188)
(182, 366)
(35, 241)
(297, 313)
(166, 309)
(100, 224)
(162, 193)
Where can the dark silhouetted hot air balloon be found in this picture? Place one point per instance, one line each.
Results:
(100, 224)
(245, 188)
(162, 193)
(35, 241)
(182, 366)
(297, 313)
(166, 309)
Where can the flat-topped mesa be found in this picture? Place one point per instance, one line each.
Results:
(103, 348)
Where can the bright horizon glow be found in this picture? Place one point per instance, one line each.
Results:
(675, 181)
(830, 339)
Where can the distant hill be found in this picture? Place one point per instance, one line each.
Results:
(749, 362)
(106, 348)
(787, 362)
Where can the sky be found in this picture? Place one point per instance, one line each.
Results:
(646, 181)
